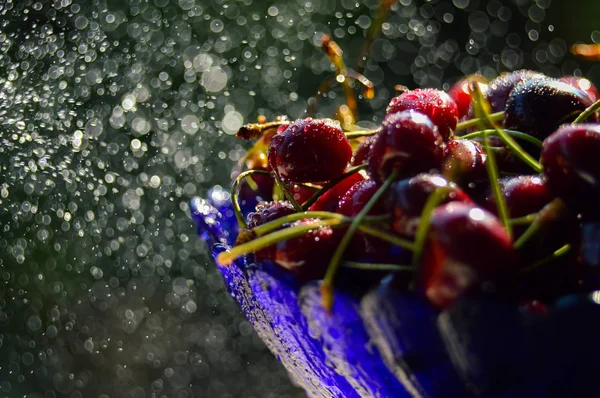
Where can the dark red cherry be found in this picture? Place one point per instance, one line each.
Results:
(310, 150)
(539, 106)
(269, 211)
(583, 84)
(435, 104)
(407, 142)
(301, 193)
(365, 247)
(330, 199)
(499, 89)
(265, 212)
(408, 198)
(534, 307)
(523, 195)
(571, 166)
(460, 92)
(307, 256)
(355, 198)
(362, 152)
(466, 247)
(464, 163)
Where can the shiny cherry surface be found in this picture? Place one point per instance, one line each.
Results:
(435, 104)
(310, 150)
(407, 142)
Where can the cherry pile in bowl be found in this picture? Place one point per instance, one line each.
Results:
(490, 188)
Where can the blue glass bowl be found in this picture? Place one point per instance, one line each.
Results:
(388, 343)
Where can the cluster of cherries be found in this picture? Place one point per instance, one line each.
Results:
(490, 188)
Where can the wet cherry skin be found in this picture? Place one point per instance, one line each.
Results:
(435, 104)
(407, 142)
(309, 150)
(539, 106)
(571, 166)
(466, 247)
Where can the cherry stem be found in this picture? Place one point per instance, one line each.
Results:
(256, 130)
(226, 258)
(512, 133)
(525, 220)
(433, 201)
(563, 250)
(359, 134)
(335, 221)
(493, 176)
(482, 107)
(277, 223)
(367, 229)
(378, 266)
(583, 116)
(287, 192)
(331, 184)
(551, 212)
(235, 196)
(386, 236)
(334, 263)
(477, 121)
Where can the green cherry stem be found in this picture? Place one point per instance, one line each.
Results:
(493, 176)
(378, 266)
(362, 133)
(481, 106)
(226, 258)
(551, 212)
(324, 215)
(525, 220)
(477, 121)
(563, 250)
(365, 227)
(287, 192)
(235, 196)
(334, 263)
(253, 241)
(512, 133)
(583, 116)
(434, 199)
(330, 184)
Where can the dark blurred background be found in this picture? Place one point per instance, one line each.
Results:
(114, 114)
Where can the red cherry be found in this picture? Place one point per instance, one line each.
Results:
(571, 166)
(460, 92)
(310, 150)
(363, 246)
(301, 193)
(523, 195)
(466, 247)
(307, 256)
(355, 198)
(269, 211)
(435, 104)
(408, 198)
(464, 163)
(582, 84)
(362, 152)
(330, 199)
(407, 142)
(539, 106)
(534, 307)
(500, 88)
